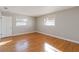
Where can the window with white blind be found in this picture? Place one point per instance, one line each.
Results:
(21, 22)
(49, 21)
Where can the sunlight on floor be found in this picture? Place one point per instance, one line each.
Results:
(5, 42)
(49, 48)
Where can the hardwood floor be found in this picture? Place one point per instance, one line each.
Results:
(36, 42)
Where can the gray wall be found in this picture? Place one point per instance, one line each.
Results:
(67, 24)
(29, 28)
(17, 30)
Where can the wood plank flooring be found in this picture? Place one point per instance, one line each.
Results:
(36, 42)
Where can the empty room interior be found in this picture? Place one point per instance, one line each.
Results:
(39, 29)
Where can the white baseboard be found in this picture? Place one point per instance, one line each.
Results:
(22, 33)
(60, 37)
(49, 35)
(17, 34)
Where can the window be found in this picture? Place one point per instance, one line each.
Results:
(21, 22)
(49, 21)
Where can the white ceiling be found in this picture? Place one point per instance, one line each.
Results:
(34, 10)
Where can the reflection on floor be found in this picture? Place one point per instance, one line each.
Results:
(21, 46)
(36, 42)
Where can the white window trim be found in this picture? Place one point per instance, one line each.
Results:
(49, 22)
(21, 22)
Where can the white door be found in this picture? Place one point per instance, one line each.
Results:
(6, 26)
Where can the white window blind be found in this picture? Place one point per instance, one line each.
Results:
(21, 22)
(49, 21)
